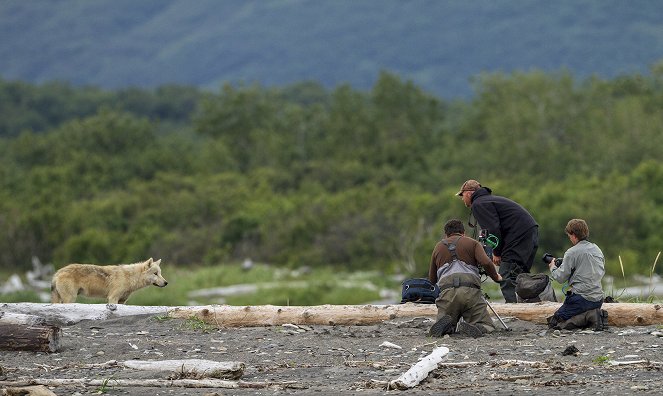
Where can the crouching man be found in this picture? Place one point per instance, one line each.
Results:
(583, 267)
(454, 267)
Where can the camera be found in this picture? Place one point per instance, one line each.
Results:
(488, 242)
(547, 258)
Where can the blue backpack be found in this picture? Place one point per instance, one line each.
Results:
(419, 290)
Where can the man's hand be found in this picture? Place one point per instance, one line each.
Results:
(551, 264)
(499, 278)
(497, 260)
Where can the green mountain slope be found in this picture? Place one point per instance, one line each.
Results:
(439, 45)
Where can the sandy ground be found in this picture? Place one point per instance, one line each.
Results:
(330, 360)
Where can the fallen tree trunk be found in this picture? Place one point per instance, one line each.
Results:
(619, 314)
(69, 314)
(36, 390)
(30, 338)
(19, 332)
(271, 315)
(153, 383)
(197, 368)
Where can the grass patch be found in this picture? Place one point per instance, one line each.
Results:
(601, 360)
(21, 296)
(196, 324)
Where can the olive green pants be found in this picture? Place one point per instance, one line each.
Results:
(467, 303)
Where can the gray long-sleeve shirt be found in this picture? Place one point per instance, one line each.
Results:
(583, 266)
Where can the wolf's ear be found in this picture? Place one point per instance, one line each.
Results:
(158, 262)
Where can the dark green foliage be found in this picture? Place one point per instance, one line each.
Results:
(345, 179)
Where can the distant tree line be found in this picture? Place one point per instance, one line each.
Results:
(303, 175)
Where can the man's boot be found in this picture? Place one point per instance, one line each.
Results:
(445, 325)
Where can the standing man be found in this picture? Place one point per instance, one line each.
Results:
(516, 231)
(583, 266)
(454, 266)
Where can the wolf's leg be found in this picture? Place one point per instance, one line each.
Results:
(66, 294)
(55, 296)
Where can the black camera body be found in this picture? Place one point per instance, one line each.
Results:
(547, 258)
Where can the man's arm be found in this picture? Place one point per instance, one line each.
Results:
(562, 273)
(432, 269)
(485, 261)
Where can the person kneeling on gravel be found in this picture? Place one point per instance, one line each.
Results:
(454, 267)
(583, 266)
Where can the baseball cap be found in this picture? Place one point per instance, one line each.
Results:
(470, 185)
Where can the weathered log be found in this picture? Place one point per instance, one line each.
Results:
(154, 383)
(37, 390)
(197, 368)
(619, 314)
(21, 319)
(69, 314)
(39, 338)
(270, 315)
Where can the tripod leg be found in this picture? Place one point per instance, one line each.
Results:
(498, 317)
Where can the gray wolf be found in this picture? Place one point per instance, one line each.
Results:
(112, 282)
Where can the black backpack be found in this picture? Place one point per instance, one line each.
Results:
(534, 288)
(419, 290)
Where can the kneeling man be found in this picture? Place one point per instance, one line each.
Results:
(454, 267)
(583, 266)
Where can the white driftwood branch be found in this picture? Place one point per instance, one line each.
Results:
(198, 367)
(630, 362)
(419, 371)
(152, 383)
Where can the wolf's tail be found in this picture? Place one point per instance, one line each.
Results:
(55, 295)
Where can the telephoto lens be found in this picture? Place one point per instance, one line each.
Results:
(547, 258)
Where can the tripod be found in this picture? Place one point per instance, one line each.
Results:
(495, 313)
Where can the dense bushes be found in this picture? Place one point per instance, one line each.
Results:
(302, 176)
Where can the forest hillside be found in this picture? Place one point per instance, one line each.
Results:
(441, 45)
(302, 175)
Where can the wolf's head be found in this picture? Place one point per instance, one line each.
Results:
(152, 273)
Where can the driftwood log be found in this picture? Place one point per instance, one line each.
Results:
(197, 368)
(154, 383)
(36, 390)
(619, 314)
(19, 332)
